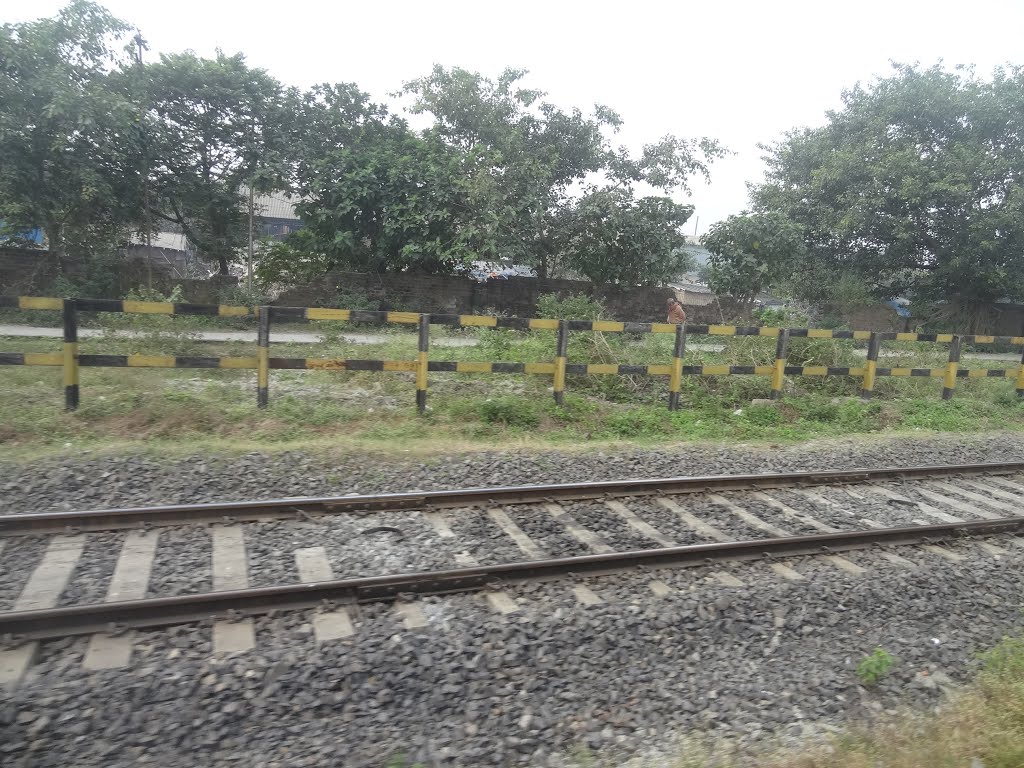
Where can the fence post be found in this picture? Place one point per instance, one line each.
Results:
(421, 364)
(675, 382)
(563, 346)
(70, 355)
(1020, 376)
(779, 371)
(949, 380)
(868, 385)
(263, 358)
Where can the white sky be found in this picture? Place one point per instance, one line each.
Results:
(742, 72)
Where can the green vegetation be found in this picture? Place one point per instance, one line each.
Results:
(376, 411)
(912, 188)
(875, 666)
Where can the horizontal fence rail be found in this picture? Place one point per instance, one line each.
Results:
(70, 360)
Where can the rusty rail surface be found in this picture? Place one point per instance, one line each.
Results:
(249, 511)
(164, 611)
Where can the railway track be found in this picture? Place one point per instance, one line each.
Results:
(102, 573)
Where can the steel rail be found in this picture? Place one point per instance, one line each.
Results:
(251, 511)
(164, 611)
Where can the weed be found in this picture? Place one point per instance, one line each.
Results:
(875, 666)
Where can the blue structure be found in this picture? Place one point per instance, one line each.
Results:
(33, 235)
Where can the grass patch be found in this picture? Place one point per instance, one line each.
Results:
(375, 411)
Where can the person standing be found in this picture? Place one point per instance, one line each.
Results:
(676, 314)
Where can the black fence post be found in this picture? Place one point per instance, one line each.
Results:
(71, 393)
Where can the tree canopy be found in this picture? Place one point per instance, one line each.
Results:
(93, 141)
(67, 132)
(915, 186)
(752, 253)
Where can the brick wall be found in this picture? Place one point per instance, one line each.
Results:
(516, 296)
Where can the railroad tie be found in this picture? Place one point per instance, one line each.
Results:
(499, 600)
(129, 582)
(231, 571)
(42, 591)
(313, 566)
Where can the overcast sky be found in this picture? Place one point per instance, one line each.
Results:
(741, 72)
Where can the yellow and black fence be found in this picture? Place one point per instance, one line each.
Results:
(71, 360)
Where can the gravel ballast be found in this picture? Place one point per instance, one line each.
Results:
(474, 688)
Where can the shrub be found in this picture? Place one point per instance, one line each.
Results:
(511, 411)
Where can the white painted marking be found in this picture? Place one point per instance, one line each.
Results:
(793, 514)
(660, 588)
(583, 535)
(586, 596)
(750, 519)
(726, 579)
(786, 572)
(639, 525)
(412, 615)
(129, 582)
(508, 525)
(699, 526)
(231, 571)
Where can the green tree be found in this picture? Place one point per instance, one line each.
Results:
(524, 161)
(215, 127)
(374, 195)
(752, 253)
(611, 237)
(915, 186)
(67, 148)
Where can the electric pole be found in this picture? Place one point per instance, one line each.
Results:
(148, 222)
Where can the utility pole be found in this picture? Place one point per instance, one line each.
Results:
(148, 222)
(249, 279)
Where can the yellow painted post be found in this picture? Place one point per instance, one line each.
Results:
(263, 358)
(949, 380)
(1020, 376)
(779, 369)
(70, 355)
(868, 385)
(422, 363)
(563, 346)
(675, 382)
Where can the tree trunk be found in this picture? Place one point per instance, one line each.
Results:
(55, 242)
(223, 261)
